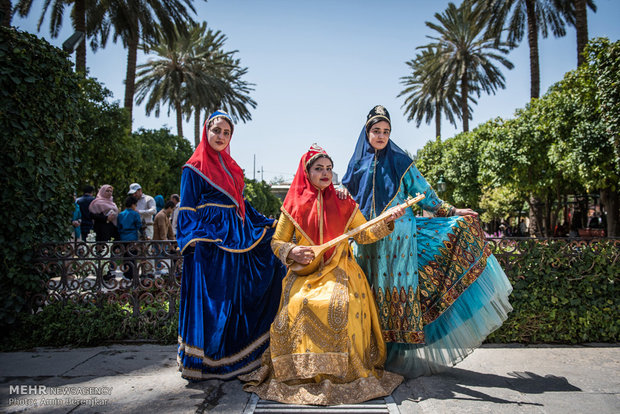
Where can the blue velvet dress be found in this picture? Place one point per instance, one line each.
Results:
(231, 283)
(438, 288)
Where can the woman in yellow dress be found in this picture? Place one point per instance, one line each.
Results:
(326, 343)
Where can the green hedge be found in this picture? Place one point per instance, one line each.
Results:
(564, 292)
(40, 140)
(87, 324)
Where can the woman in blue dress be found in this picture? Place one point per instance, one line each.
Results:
(438, 288)
(231, 285)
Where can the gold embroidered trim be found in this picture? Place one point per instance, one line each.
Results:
(297, 227)
(199, 239)
(187, 208)
(193, 373)
(400, 184)
(280, 322)
(249, 248)
(216, 205)
(226, 248)
(306, 324)
(284, 248)
(196, 352)
(308, 365)
(329, 391)
(338, 312)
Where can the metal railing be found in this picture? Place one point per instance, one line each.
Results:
(145, 277)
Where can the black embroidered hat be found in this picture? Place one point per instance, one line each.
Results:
(377, 114)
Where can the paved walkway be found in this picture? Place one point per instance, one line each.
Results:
(143, 378)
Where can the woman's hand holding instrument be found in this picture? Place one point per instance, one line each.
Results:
(305, 264)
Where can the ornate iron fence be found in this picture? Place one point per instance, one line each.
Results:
(145, 277)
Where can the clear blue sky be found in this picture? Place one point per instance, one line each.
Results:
(319, 66)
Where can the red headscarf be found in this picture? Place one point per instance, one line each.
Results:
(218, 168)
(320, 215)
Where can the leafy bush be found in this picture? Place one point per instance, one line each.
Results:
(258, 193)
(87, 324)
(563, 293)
(39, 114)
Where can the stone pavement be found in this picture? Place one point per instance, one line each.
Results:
(143, 378)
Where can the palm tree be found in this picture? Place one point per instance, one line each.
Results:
(427, 96)
(465, 54)
(6, 13)
(78, 16)
(576, 14)
(235, 100)
(146, 20)
(535, 15)
(192, 72)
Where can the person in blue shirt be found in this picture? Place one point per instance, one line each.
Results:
(129, 224)
(86, 225)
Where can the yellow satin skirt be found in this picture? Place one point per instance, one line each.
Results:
(326, 342)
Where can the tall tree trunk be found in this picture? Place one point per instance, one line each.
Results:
(79, 16)
(196, 126)
(611, 200)
(177, 107)
(581, 24)
(464, 95)
(548, 222)
(437, 119)
(130, 77)
(535, 215)
(532, 38)
(5, 10)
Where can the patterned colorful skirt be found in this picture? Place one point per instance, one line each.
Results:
(439, 290)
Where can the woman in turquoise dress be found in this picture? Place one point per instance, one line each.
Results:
(438, 288)
(231, 285)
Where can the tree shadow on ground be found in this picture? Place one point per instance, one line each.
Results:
(460, 384)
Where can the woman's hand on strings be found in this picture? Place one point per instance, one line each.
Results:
(395, 213)
(342, 193)
(464, 212)
(301, 254)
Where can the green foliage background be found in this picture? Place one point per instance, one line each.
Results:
(564, 143)
(40, 140)
(563, 293)
(259, 195)
(60, 131)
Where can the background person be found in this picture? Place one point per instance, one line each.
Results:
(145, 207)
(129, 225)
(175, 213)
(86, 225)
(162, 230)
(104, 212)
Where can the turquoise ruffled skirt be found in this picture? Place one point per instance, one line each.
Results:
(478, 311)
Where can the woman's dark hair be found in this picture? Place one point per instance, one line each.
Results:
(372, 122)
(130, 201)
(232, 127)
(317, 157)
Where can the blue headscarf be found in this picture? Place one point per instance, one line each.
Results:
(159, 202)
(391, 163)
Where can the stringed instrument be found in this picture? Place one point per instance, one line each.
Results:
(320, 250)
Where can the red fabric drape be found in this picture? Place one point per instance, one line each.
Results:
(321, 215)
